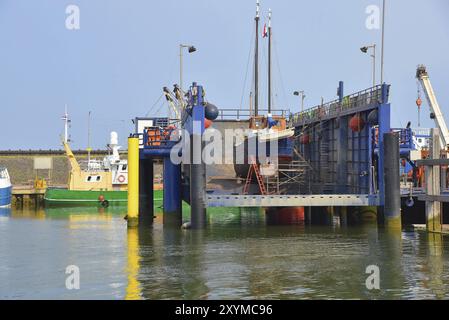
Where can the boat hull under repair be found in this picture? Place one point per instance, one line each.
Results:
(260, 146)
(65, 197)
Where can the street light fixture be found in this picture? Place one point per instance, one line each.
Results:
(191, 49)
(373, 55)
(300, 93)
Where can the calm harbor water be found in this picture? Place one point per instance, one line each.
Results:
(239, 256)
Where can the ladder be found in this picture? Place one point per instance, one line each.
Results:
(253, 168)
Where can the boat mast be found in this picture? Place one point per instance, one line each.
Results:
(256, 62)
(269, 61)
(65, 117)
(89, 149)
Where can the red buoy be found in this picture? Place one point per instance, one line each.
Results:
(356, 123)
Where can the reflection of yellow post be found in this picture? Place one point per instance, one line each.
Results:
(133, 182)
(133, 288)
(436, 265)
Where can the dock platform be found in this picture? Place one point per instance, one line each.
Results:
(26, 195)
(267, 201)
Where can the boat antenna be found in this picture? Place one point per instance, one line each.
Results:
(256, 61)
(269, 60)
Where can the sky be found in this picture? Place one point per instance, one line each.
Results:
(125, 51)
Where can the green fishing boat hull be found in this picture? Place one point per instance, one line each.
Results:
(65, 197)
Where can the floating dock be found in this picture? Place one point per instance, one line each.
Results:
(345, 150)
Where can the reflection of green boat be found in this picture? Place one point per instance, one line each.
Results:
(55, 196)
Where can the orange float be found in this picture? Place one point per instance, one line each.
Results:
(356, 123)
(207, 123)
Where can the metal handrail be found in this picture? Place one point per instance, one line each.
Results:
(245, 114)
(334, 107)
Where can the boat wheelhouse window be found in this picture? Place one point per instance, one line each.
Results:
(420, 140)
(124, 167)
(93, 179)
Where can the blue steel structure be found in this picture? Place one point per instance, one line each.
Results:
(345, 161)
(159, 141)
(347, 165)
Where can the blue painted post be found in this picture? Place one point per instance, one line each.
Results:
(172, 193)
(342, 155)
(342, 147)
(384, 127)
(197, 165)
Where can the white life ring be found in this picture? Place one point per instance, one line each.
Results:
(121, 178)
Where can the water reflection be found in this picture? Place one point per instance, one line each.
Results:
(5, 212)
(436, 265)
(133, 265)
(239, 256)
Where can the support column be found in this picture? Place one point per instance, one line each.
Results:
(133, 182)
(433, 208)
(343, 216)
(392, 207)
(342, 156)
(308, 215)
(146, 196)
(197, 165)
(383, 127)
(197, 193)
(172, 193)
(330, 211)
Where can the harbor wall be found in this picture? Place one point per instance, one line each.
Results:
(20, 165)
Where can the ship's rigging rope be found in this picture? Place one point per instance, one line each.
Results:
(154, 104)
(247, 67)
(279, 71)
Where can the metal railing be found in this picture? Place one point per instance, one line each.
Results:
(353, 101)
(245, 114)
(421, 132)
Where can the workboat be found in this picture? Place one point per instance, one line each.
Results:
(264, 130)
(92, 182)
(101, 182)
(5, 188)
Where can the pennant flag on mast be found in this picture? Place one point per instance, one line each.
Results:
(264, 32)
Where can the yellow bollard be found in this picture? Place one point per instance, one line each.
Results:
(133, 182)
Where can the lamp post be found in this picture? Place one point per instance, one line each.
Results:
(300, 93)
(365, 50)
(191, 49)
